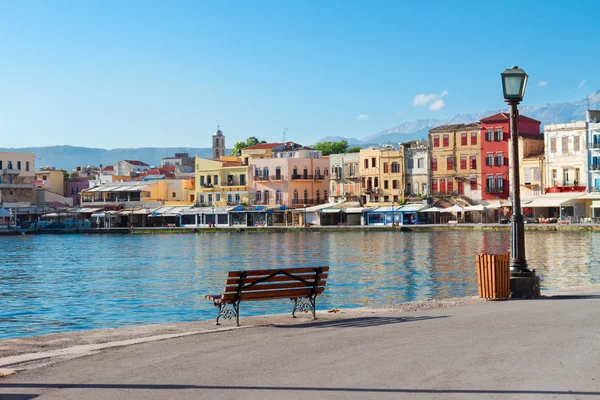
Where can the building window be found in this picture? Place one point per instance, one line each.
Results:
(72, 190)
(489, 161)
(565, 144)
(554, 176)
(385, 184)
(27, 163)
(395, 184)
(434, 185)
(216, 179)
(386, 168)
(576, 145)
(450, 163)
(434, 164)
(242, 179)
(326, 171)
(277, 173)
(305, 196)
(44, 177)
(436, 141)
(446, 139)
(527, 176)
(489, 135)
(410, 163)
(325, 194)
(490, 184)
(473, 185)
(373, 162)
(376, 182)
(450, 186)
(266, 197)
(366, 163)
(318, 196)
(576, 181)
(499, 159)
(473, 161)
(258, 172)
(257, 197)
(265, 173)
(173, 194)
(463, 162)
(278, 196)
(565, 176)
(395, 167)
(473, 138)
(553, 145)
(201, 199)
(499, 183)
(202, 180)
(420, 162)
(463, 139)
(229, 199)
(237, 198)
(19, 165)
(218, 197)
(499, 136)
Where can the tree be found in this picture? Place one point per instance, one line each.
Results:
(339, 147)
(238, 146)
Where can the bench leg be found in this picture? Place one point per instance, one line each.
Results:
(228, 313)
(304, 304)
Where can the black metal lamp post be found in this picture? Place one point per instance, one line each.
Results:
(304, 219)
(514, 82)
(214, 220)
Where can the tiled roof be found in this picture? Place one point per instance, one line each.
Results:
(506, 117)
(136, 162)
(446, 128)
(263, 146)
(108, 168)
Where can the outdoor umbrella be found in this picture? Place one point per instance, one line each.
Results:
(434, 210)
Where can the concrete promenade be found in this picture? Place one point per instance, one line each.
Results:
(547, 348)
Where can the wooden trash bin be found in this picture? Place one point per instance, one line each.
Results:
(493, 275)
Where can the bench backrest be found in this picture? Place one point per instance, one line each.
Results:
(269, 284)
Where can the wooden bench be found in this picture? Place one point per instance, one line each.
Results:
(301, 285)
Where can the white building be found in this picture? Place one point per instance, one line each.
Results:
(344, 180)
(566, 155)
(593, 159)
(416, 166)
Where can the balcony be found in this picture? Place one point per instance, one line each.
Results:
(261, 178)
(595, 145)
(276, 177)
(10, 171)
(333, 175)
(302, 177)
(595, 167)
(309, 202)
(494, 189)
(319, 177)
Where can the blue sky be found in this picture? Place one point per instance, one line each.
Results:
(116, 74)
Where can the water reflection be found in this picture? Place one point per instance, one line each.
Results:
(58, 283)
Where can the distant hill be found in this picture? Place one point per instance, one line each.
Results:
(68, 157)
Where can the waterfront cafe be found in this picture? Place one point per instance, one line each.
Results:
(204, 216)
(553, 207)
(342, 214)
(251, 216)
(409, 214)
(169, 216)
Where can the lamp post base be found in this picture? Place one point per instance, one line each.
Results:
(524, 286)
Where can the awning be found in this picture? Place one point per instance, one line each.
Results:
(412, 208)
(354, 210)
(434, 209)
(98, 215)
(169, 211)
(454, 208)
(553, 200)
(88, 210)
(331, 210)
(477, 207)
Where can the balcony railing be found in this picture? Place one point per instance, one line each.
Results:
(302, 177)
(595, 145)
(308, 202)
(15, 186)
(595, 167)
(261, 178)
(319, 177)
(494, 189)
(276, 177)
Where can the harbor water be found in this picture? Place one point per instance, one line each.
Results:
(57, 283)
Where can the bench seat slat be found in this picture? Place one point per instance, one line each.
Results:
(277, 278)
(278, 294)
(258, 272)
(271, 286)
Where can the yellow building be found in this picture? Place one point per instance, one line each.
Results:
(53, 181)
(455, 161)
(221, 182)
(382, 174)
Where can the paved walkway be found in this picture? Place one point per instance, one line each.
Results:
(530, 349)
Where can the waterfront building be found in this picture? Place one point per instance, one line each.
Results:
(179, 160)
(455, 162)
(566, 157)
(287, 174)
(416, 165)
(74, 187)
(220, 182)
(17, 177)
(593, 154)
(494, 136)
(382, 174)
(51, 180)
(344, 179)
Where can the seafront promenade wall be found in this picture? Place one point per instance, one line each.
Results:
(359, 228)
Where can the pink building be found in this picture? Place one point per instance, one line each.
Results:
(74, 187)
(287, 174)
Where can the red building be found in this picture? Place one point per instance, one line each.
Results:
(495, 133)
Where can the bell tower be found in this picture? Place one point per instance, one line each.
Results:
(218, 144)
